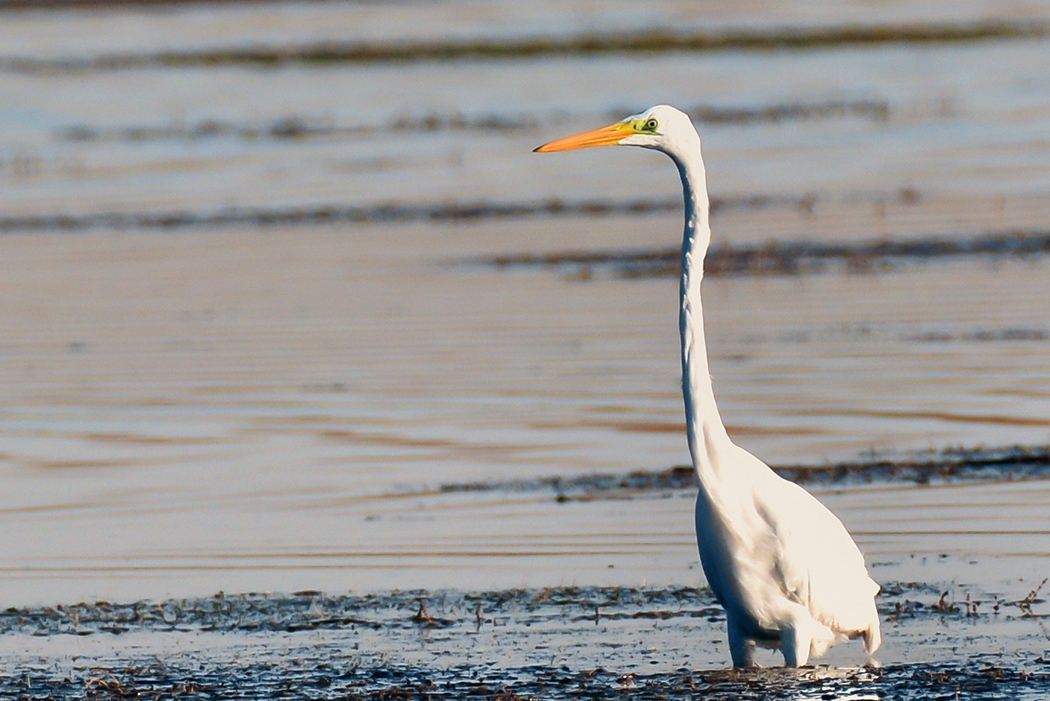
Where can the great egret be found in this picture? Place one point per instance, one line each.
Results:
(784, 568)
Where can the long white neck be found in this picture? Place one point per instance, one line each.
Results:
(707, 435)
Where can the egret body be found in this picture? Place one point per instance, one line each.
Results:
(784, 568)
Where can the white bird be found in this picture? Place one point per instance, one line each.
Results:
(784, 568)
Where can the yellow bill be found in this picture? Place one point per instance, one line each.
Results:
(606, 136)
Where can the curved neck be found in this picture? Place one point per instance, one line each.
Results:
(707, 434)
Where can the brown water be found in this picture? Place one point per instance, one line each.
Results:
(241, 406)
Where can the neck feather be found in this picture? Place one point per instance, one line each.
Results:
(707, 435)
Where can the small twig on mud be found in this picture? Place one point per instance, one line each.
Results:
(944, 606)
(422, 615)
(103, 679)
(1032, 595)
(1025, 604)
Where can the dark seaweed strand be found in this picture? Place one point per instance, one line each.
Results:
(381, 213)
(647, 42)
(787, 257)
(303, 127)
(1016, 462)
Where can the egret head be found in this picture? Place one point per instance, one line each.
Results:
(662, 128)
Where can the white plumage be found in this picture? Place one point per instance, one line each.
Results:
(781, 564)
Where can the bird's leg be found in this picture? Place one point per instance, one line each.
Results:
(873, 636)
(741, 648)
(795, 643)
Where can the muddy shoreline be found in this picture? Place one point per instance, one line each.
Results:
(481, 645)
(320, 679)
(343, 679)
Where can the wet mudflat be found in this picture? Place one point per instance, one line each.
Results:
(563, 642)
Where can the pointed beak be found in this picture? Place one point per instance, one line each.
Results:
(606, 136)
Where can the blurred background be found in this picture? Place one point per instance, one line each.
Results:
(281, 283)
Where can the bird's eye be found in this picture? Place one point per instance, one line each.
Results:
(651, 124)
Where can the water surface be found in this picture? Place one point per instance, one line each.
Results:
(228, 366)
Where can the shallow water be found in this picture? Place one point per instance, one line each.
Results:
(183, 388)
(245, 337)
